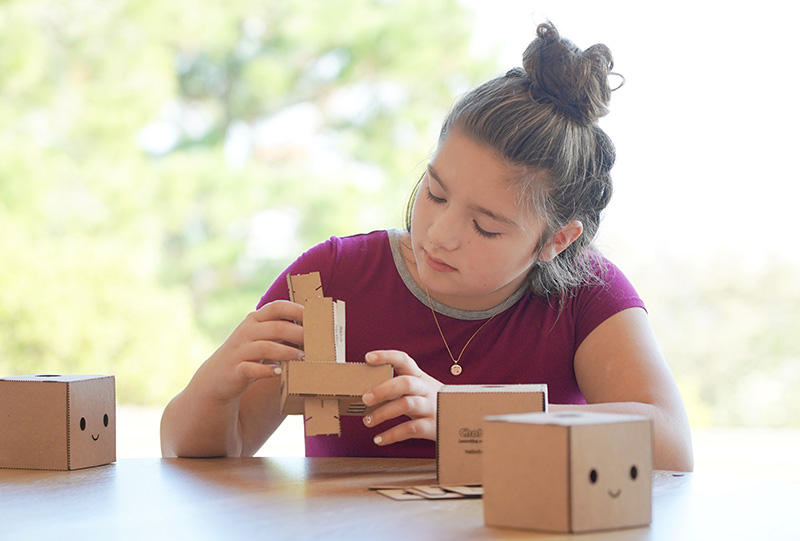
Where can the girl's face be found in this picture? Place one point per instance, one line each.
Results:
(472, 243)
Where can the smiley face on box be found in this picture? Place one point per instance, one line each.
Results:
(567, 472)
(57, 422)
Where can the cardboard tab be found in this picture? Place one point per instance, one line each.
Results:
(460, 412)
(324, 387)
(321, 416)
(303, 287)
(57, 422)
(567, 472)
(323, 319)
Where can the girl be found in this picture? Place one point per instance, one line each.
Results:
(494, 281)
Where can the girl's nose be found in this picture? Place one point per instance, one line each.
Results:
(444, 231)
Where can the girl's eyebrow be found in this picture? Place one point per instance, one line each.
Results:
(477, 208)
(432, 172)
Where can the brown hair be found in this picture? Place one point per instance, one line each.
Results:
(543, 119)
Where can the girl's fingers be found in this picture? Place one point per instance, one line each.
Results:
(424, 427)
(253, 371)
(398, 386)
(275, 330)
(410, 405)
(274, 310)
(402, 363)
(269, 351)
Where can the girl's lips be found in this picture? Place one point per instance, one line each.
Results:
(438, 265)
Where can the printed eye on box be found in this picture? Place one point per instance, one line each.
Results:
(459, 424)
(57, 422)
(323, 386)
(567, 472)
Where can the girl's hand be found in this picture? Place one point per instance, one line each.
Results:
(411, 392)
(267, 336)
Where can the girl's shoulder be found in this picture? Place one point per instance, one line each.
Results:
(607, 293)
(349, 257)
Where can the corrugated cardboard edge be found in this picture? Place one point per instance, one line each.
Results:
(69, 433)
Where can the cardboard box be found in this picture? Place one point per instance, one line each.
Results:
(57, 422)
(567, 472)
(323, 387)
(459, 424)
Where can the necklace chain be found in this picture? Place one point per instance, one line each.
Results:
(456, 368)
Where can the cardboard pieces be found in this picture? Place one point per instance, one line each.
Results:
(322, 392)
(429, 492)
(323, 386)
(567, 472)
(460, 411)
(57, 422)
(323, 319)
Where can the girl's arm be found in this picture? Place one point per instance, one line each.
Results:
(232, 404)
(620, 369)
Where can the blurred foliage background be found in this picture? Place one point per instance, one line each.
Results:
(163, 161)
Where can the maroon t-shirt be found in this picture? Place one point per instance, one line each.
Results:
(530, 341)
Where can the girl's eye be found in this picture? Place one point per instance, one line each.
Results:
(483, 232)
(433, 197)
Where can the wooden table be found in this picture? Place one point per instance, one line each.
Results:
(329, 498)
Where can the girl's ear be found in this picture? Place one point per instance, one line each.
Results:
(561, 240)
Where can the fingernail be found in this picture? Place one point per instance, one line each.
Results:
(378, 440)
(302, 356)
(368, 420)
(277, 371)
(370, 357)
(367, 399)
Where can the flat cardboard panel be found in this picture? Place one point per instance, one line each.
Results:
(40, 421)
(92, 423)
(615, 498)
(303, 287)
(33, 425)
(319, 337)
(321, 416)
(346, 382)
(460, 413)
(533, 462)
(524, 473)
(323, 319)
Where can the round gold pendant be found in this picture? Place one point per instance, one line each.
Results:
(455, 369)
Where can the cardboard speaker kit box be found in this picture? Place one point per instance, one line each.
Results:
(57, 422)
(323, 387)
(567, 472)
(459, 425)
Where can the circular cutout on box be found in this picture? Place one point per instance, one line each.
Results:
(48, 375)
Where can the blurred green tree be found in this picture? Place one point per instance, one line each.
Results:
(163, 161)
(729, 332)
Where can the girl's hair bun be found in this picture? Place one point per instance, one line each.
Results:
(575, 82)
